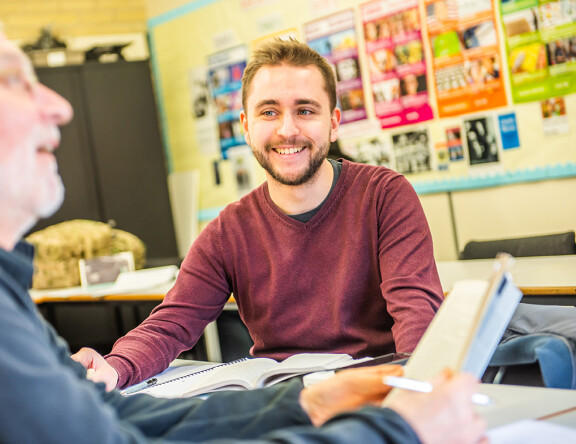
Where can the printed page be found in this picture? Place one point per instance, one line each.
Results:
(303, 363)
(239, 375)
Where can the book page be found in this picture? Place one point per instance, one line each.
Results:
(303, 363)
(239, 375)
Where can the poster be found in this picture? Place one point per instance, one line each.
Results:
(334, 38)
(395, 57)
(466, 56)
(225, 71)
(412, 151)
(454, 143)
(481, 140)
(509, 131)
(203, 111)
(554, 117)
(541, 47)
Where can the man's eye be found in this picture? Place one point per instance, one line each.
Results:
(268, 113)
(305, 112)
(14, 81)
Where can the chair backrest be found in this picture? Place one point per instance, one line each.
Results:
(545, 245)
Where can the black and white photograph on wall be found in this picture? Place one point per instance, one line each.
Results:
(243, 169)
(372, 150)
(412, 151)
(481, 140)
(203, 111)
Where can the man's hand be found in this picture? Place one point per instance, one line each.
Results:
(347, 390)
(98, 369)
(445, 415)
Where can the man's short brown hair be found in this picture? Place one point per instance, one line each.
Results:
(290, 52)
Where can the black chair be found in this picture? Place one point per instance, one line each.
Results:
(545, 245)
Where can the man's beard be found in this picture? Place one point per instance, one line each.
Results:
(303, 177)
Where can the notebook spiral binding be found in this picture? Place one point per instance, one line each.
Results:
(206, 370)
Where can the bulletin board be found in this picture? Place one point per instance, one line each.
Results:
(437, 89)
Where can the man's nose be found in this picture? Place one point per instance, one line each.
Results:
(55, 108)
(288, 126)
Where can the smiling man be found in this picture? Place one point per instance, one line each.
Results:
(325, 256)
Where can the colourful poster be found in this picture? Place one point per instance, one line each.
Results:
(395, 56)
(466, 56)
(225, 71)
(334, 38)
(541, 46)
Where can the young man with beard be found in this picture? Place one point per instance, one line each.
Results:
(324, 257)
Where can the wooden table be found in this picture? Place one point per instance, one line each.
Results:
(127, 309)
(543, 279)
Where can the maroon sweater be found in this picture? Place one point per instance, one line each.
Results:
(358, 278)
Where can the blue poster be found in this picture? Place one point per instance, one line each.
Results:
(509, 131)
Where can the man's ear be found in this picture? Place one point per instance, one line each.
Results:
(244, 122)
(334, 124)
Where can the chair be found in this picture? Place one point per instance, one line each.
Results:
(545, 245)
(537, 359)
(537, 349)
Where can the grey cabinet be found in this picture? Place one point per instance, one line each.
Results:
(111, 158)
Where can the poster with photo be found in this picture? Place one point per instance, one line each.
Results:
(243, 168)
(465, 55)
(481, 140)
(554, 117)
(412, 151)
(395, 57)
(541, 47)
(442, 156)
(371, 150)
(203, 111)
(334, 37)
(454, 143)
(225, 71)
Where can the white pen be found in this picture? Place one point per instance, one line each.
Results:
(426, 387)
(141, 386)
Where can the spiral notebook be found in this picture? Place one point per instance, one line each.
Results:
(243, 374)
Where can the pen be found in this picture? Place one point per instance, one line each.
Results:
(141, 386)
(426, 387)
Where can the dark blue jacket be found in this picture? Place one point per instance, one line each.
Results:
(46, 398)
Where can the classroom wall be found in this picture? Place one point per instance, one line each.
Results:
(528, 193)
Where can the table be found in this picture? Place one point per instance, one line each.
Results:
(128, 309)
(513, 403)
(542, 280)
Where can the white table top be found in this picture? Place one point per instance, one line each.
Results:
(541, 271)
(513, 403)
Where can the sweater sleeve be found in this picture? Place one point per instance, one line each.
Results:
(196, 299)
(410, 282)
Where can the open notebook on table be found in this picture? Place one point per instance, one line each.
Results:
(243, 374)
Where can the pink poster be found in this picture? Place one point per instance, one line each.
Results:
(395, 57)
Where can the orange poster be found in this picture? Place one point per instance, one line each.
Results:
(466, 56)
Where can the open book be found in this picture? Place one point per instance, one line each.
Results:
(468, 326)
(244, 374)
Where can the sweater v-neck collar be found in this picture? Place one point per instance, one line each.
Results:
(322, 209)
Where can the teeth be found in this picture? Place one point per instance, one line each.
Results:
(289, 150)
